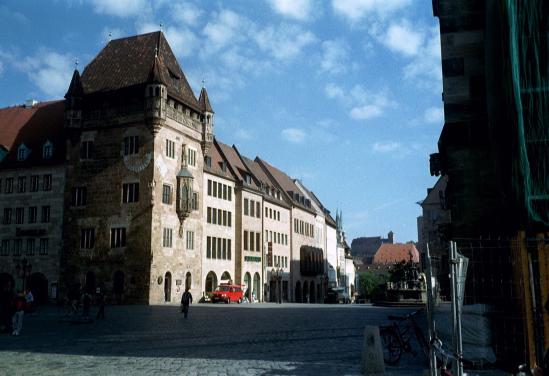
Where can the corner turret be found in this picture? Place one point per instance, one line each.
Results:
(156, 95)
(73, 102)
(207, 120)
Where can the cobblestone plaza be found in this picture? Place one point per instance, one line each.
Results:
(252, 339)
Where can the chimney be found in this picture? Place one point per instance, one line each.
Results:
(390, 237)
(30, 103)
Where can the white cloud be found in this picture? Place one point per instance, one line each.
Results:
(284, 42)
(50, 71)
(358, 9)
(434, 115)
(366, 112)
(403, 38)
(297, 9)
(120, 8)
(335, 56)
(386, 147)
(226, 28)
(425, 69)
(363, 104)
(333, 91)
(186, 13)
(294, 135)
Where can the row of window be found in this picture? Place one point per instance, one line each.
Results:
(131, 147)
(20, 215)
(280, 261)
(249, 242)
(87, 237)
(219, 217)
(276, 237)
(22, 184)
(252, 208)
(23, 151)
(167, 238)
(218, 248)
(272, 213)
(304, 228)
(17, 247)
(219, 190)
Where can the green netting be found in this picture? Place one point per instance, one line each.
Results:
(528, 58)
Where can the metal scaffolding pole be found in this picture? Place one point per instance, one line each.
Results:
(456, 307)
(430, 318)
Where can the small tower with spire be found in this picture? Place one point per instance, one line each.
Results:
(156, 94)
(73, 101)
(207, 120)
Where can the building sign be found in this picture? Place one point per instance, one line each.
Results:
(252, 258)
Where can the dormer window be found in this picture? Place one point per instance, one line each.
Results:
(223, 166)
(248, 179)
(47, 150)
(208, 160)
(22, 152)
(278, 195)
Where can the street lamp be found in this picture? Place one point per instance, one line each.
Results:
(23, 270)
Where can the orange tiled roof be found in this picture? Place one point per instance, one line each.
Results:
(393, 253)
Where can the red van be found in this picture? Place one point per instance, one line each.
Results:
(228, 293)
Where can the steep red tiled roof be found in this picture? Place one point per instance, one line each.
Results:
(33, 127)
(217, 162)
(232, 156)
(129, 61)
(392, 253)
(12, 119)
(284, 182)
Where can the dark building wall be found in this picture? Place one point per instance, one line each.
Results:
(103, 176)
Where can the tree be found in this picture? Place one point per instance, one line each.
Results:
(371, 282)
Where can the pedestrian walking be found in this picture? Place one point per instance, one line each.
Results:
(186, 299)
(17, 319)
(101, 304)
(86, 305)
(6, 308)
(30, 302)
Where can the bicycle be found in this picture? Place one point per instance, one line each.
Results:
(397, 336)
(445, 357)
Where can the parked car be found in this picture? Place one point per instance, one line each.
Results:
(228, 293)
(337, 295)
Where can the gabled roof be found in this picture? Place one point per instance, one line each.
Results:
(231, 155)
(433, 194)
(204, 101)
(128, 62)
(217, 162)
(285, 183)
(393, 253)
(266, 181)
(33, 127)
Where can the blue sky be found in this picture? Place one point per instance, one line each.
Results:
(343, 94)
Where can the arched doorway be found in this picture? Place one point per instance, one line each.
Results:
(298, 292)
(312, 292)
(211, 282)
(168, 287)
(90, 282)
(38, 284)
(248, 283)
(6, 281)
(118, 286)
(257, 286)
(306, 292)
(188, 281)
(226, 277)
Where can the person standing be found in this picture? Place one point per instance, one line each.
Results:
(186, 299)
(17, 319)
(101, 304)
